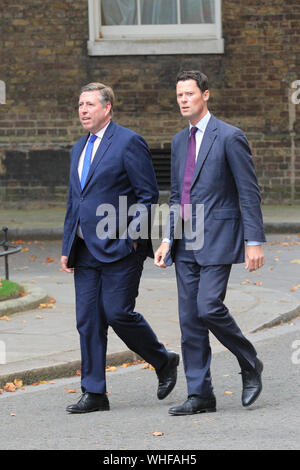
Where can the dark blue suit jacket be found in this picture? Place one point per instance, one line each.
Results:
(122, 166)
(225, 183)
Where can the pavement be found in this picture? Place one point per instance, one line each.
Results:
(38, 336)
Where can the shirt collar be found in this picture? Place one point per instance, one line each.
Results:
(101, 132)
(201, 125)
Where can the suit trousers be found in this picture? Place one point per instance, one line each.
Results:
(105, 296)
(201, 292)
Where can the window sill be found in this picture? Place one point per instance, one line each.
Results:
(112, 47)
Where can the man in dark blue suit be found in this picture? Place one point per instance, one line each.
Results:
(111, 171)
(212, 180)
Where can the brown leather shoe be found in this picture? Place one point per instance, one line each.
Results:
(90, 402)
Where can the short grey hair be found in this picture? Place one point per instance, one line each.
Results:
(106, 94)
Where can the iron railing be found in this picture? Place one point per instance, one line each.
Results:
(9, 249)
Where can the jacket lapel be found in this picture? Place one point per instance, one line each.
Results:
(208, 139)
(78, 152)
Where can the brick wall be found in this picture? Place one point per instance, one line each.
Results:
(44, 62)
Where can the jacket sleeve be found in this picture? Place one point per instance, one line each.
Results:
(242, 167)
(140, 172)
(68, 222)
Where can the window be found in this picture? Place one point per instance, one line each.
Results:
(122, 27)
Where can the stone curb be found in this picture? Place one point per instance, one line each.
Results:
(63, 369)
(277, 320)
(35, 295)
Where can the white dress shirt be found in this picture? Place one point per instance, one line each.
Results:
(95, 148)
(201, 126)
(81, 159)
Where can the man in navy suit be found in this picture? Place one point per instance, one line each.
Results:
(108, 165)
(212, 179)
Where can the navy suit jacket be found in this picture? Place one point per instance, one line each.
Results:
(225, 183)
(122, 166)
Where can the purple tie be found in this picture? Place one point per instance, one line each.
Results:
(188, 174)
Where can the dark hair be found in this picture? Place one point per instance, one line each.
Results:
(199, 77)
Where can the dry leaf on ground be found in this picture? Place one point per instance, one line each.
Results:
(18, 383)
(9, 387)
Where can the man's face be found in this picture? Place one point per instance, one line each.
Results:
(92, 114)
(192, 102)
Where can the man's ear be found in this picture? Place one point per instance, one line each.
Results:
(206, 95)
(107, 109)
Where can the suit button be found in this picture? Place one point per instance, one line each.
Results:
(81, 199)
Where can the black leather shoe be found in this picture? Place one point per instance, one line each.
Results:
(90, 402)
(167, 376)
(252, 385)
(195, 404)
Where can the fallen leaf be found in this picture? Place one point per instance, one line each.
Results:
(52, 300)
(5, 317)
(69, 390)
(35, 384)
(295, 288)
(257, 283)
(39, 316)
(246, 281)
(24, 250)
(157, 433)
(228, 392)
(43, 381)
(18, 383)
(32, 258)
(110, 368)
(78, 372)
(296, 261)
(10, 387)
(12, 414)
(49, 260)
(1, 390)
(52, 382)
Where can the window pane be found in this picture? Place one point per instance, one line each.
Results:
(158, 11)
(118, 12)
(197, 11)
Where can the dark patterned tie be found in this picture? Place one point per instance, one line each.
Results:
(190, 164)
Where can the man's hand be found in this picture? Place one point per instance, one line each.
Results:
(254, 257)
(160, 255)
(63, 262)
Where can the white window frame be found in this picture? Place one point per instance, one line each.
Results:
(153, 39)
